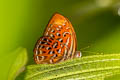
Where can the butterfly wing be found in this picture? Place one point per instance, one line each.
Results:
(58, 42)
(60, 28)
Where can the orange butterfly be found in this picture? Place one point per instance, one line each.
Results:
(58, 42)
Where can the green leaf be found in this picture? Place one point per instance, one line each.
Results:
(95, 23)
(19, 63)
(89, 67)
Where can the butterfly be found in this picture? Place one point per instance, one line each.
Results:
(58, 42)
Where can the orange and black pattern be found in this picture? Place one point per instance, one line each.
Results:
(58, 42)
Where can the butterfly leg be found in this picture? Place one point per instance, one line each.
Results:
(77, 54)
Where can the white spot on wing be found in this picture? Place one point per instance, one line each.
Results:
(37, 46)
(65, 33)
(43, 57)
(57, 29)
(59, 26)
(61, 45)
(65, 52)
(67, 27)
(51, 61)
(54, 45)
(47, 40)
(60, 39)
(52, 30)
(59, 51)
(37, 57)
(40, 52)
(47, 48)
(45, 43)
(36, 52)
(43, 39)
(41, 46)
(39, 42)
(51, 35)
(64, 24)
(54, 55)
(48, 29)
(51, 52)
(67, 41)
(46, 34)
(57, 34)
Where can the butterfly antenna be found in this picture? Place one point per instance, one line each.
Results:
(84, 48)
(93, 52)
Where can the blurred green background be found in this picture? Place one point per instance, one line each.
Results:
(22, 22)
